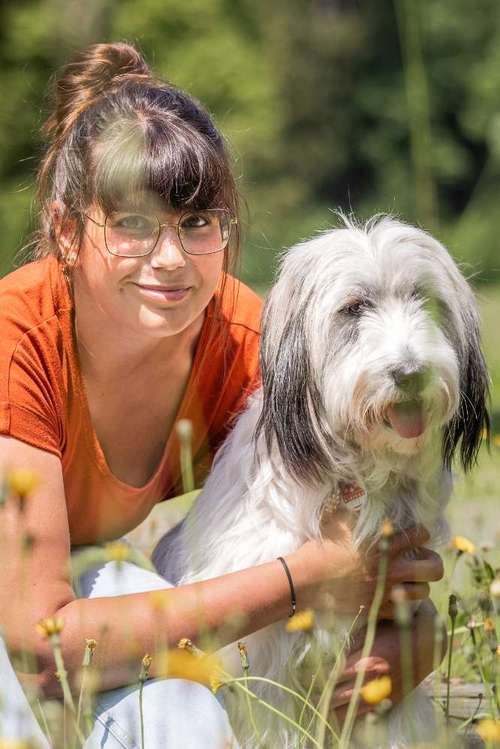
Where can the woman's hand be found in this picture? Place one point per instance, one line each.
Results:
(385, 658)
(333, 574)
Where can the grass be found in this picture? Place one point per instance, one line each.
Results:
(473, 514)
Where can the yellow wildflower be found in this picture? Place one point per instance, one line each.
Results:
(50, 626)
(489, 625)
(489, 730)
(377, 690)
(496, 440)
(117, 551)
(181, 664)
(22, 481)
(302, 621)
(462, 545)
(495, 588)
(387, 529)
(91, 644)
(159, 600)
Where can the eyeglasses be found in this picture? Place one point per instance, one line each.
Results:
(128, 234)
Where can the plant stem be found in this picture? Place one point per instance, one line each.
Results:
(63, 678)
(493, 697)
(271, 708)
(367, 647)
(452, 611)
(185, 433)
(87, 659)
(143, 676)
(326, 695)
(246, 668)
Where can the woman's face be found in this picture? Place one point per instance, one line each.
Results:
(157, 295)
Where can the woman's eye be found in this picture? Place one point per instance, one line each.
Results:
(134, 222)
(195, 221)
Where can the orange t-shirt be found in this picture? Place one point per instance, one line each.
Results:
(43, 400)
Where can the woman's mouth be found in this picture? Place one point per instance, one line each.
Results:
(164, 293)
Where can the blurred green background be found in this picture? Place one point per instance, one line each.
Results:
(374, 105)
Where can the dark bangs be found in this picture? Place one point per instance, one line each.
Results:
(159, 163)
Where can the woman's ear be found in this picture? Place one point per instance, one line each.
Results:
(65, 233)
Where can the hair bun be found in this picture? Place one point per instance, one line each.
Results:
(98, 68)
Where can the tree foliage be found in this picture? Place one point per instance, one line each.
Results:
(380, 105)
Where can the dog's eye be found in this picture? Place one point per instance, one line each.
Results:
(417, 293)
(354, 309)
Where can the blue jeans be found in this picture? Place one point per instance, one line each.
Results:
(178, 714)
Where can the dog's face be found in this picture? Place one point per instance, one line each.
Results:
(371, 342)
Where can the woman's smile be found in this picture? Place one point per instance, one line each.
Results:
(162, 293)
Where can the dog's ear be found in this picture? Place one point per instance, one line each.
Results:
(292, 411)
(471, 423)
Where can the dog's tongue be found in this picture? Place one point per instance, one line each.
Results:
(406, 419)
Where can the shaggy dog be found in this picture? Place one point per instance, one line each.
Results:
(372, 377)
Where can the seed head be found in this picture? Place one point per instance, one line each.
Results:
(52, 625)
(184, 429)
(495, 588)
(452, 607)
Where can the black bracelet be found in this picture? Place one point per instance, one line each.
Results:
(293, 600)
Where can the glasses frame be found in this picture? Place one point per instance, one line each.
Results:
(232, 222)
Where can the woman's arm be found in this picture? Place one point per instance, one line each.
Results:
(36, 585)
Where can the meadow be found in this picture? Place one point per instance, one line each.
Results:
(468, 599)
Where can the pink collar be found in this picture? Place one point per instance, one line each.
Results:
(351, 495)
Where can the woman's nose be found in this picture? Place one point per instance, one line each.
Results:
(168, 253)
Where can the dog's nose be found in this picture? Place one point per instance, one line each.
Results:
(412, 379)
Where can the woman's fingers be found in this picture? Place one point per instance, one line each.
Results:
(427, 568)
(410, 538)
(416, 591)
(374, 667)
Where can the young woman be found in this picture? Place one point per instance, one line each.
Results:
(127, 321)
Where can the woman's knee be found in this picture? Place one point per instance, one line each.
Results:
(118, 578)
(177, 714)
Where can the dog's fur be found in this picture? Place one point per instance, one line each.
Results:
(360, 319)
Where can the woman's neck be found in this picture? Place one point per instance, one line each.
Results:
(107, 354)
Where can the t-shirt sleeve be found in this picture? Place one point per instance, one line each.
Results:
(30, 384)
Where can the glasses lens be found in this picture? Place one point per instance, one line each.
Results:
(131, 234)
(202, 232)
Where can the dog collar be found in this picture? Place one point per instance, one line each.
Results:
(350, 495)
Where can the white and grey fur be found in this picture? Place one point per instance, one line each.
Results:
(361, 317)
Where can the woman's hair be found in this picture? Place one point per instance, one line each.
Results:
(119, 135)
